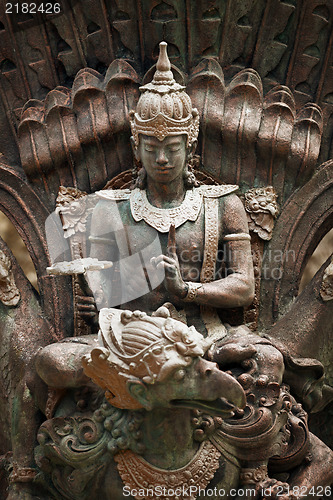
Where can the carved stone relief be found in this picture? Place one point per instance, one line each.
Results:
(9, 293)
(206, 379)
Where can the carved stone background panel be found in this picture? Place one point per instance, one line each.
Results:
(286, 42)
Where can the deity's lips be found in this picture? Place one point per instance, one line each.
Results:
(164, 169)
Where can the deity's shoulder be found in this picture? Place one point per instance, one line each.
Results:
(218, 190)
(114, 194)
(231, 209)
(106, 211)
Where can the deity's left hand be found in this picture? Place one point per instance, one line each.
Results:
(174, 282)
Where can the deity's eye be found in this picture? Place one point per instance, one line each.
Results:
(174, 148)
(149, 148)
(179, 375)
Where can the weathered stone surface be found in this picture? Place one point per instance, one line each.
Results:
(259, 74)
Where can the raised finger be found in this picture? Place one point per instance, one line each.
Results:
(162, 258)
(171, 268)
(172, 242)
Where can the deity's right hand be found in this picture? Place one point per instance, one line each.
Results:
(86, 307)
(86, 302)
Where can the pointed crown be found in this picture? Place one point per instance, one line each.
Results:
(138, 346)
(164, 108)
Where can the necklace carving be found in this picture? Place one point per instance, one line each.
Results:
(139, 475)
(161, 218)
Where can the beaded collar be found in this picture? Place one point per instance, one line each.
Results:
(161, 218)
(138, 474)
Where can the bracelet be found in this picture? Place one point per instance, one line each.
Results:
(192, 291)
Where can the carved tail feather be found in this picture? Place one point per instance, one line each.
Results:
(246, 138)
(310, 317)
(23, 330)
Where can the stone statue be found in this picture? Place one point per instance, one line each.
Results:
(141, 358)
(165, 400)
(193, 223)
(150, 364)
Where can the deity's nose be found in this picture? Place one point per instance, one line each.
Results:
(161, 158)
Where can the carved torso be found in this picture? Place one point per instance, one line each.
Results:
(117, 236)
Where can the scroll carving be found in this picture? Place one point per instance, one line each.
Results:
(326, 290)
(9, 293)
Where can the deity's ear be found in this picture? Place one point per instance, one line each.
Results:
(191, 149)
(139, 391)
(135, 149)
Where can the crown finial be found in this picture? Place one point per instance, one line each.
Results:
(163, 71)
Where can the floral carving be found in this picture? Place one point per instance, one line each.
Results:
(262, 209)
(9, 293)
(326, 290)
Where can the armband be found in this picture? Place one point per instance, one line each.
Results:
(101, 241)
(237, 236)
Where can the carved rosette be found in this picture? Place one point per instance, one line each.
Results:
(326, 290)
(261, 208)
(9, 293)
(73, 209)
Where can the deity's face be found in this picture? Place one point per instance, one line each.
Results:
(164, 161)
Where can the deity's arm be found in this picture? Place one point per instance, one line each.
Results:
(102, 247)
(236, 287)
(102, 232)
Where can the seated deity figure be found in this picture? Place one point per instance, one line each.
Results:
(193, 223)
(164, 235)
(174, 241)
(171, 239)
(181, 255)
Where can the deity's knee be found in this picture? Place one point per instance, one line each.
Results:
(270, 362)
(59, 365)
